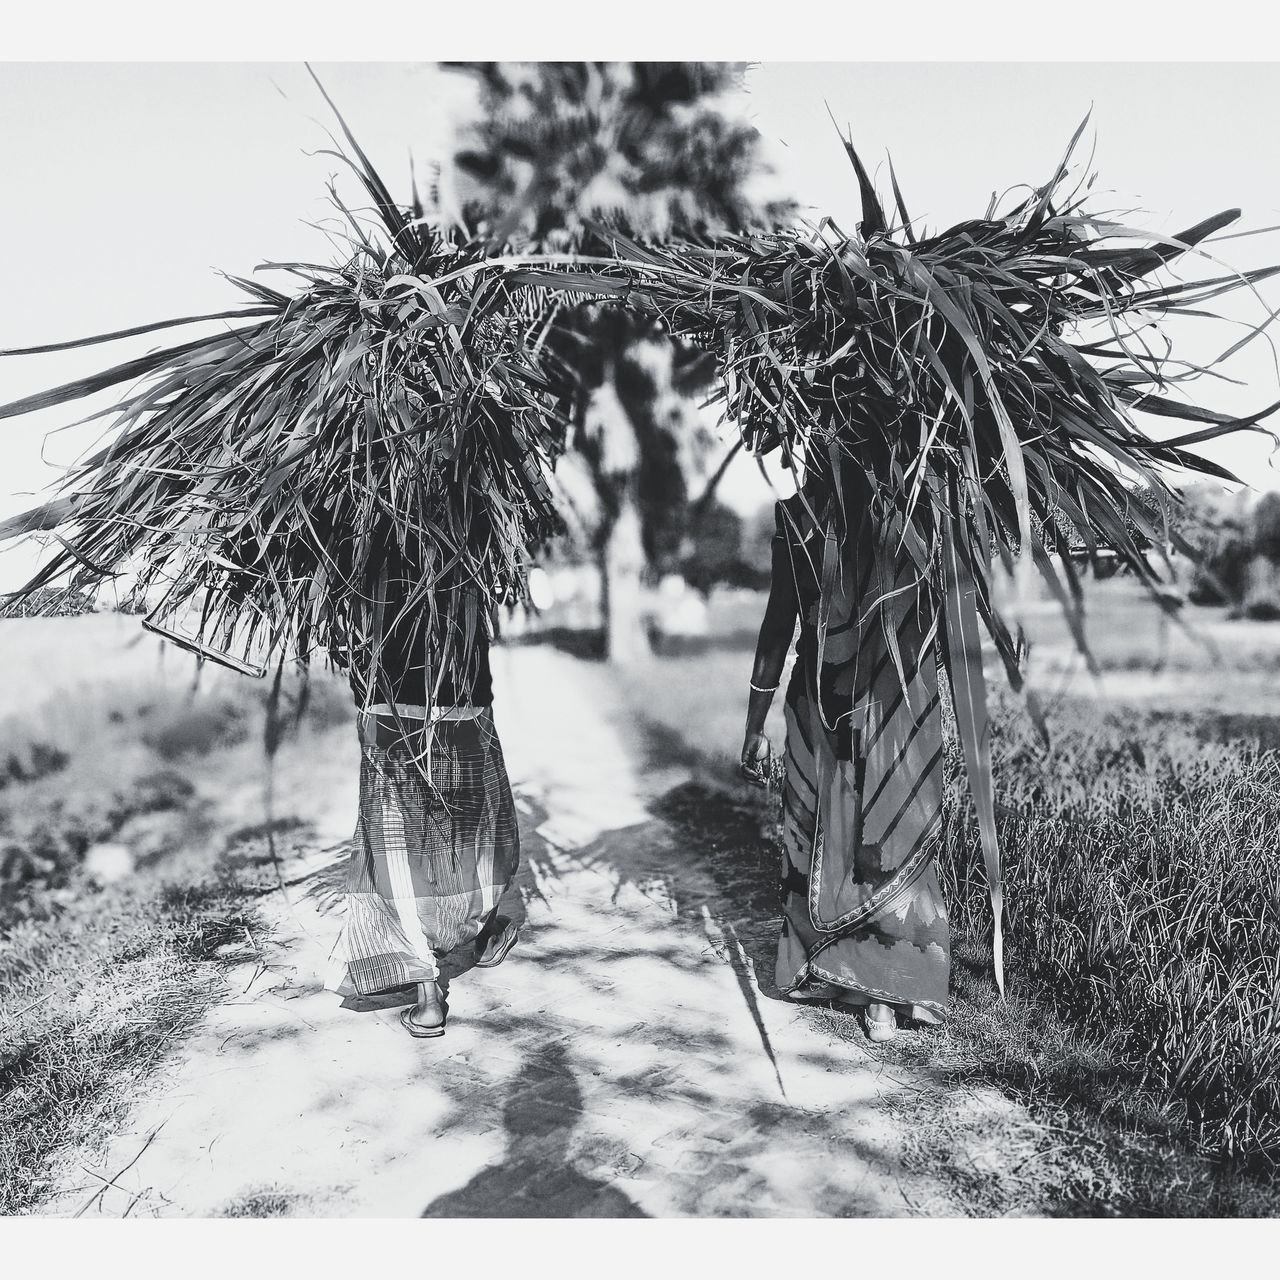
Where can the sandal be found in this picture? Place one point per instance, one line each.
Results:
(420, 1030)
(507, 939)
(879, 1032)
(815, 991)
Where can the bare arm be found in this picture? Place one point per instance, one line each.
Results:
(776, 630)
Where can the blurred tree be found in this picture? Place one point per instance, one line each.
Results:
(1262, 590)
(1215, 524)
(713, 550)
(645, 148)
(1266, 527)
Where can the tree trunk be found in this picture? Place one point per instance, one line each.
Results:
(620, 553)
(622, 563)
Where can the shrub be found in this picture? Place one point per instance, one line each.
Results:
(713, 544)
(1220, 578)
(714, 553)
(38, 760)
(1263, 608)
(197, 728)
(43, 839)
(47, 602)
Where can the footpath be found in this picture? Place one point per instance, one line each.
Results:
(626, 1060)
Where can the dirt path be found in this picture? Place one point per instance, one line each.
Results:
(623, 1062)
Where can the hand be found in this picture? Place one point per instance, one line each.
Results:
(756, 754)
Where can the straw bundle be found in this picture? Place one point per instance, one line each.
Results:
(975, 395)
(991, 373)
(379, 441)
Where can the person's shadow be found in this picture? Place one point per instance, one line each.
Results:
(536, 1179)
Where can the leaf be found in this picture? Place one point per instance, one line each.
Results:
(94, 383)
(74, 344)
(873, 221)
(1167, 408)
(963, 653)
(902, 206)
(1036, 218)
(48, 516)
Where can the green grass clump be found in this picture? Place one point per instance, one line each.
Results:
(1143, 881)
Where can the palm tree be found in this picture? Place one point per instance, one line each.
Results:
(558, 152)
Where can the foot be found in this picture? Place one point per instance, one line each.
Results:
(426, 1018)
(493, 949)
(816, 991)
(882, 1023)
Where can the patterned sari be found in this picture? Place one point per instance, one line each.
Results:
(435, 847)
(862, 803)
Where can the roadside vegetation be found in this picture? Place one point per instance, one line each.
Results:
(1143, 878)
(127, 888)
(1240, 548)
(91, 997)
(1140, 1031)
(1144, 906)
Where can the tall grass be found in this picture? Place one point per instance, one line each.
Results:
(1144, 901)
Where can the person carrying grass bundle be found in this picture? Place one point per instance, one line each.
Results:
(357, 470)
(864, 922)
(437, 842)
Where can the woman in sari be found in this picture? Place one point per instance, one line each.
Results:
(436, 842)
(864, 923)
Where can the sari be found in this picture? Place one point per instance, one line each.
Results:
(862, 799)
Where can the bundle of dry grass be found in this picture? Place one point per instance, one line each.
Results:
(384, 431)
(980, 394)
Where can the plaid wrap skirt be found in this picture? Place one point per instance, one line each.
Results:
(435, 847)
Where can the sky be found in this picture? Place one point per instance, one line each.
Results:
(128, 187)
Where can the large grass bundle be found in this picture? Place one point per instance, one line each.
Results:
(371, 448)
(977, 395)
(989, 380)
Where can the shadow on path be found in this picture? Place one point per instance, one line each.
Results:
(536, 1179)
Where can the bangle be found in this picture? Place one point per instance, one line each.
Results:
(758, 689)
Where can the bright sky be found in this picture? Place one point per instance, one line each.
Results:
(129, 186)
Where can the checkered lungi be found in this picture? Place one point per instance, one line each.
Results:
(435, 847)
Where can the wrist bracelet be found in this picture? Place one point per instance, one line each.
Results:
(758, 689)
